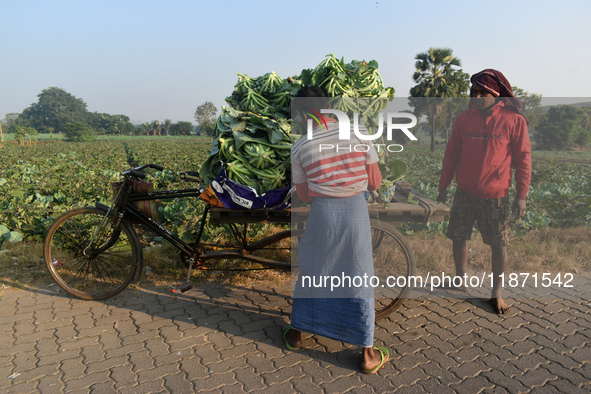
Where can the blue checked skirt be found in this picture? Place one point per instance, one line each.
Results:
(336, 243)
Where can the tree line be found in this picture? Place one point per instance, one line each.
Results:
(441, 91)
(57, 111)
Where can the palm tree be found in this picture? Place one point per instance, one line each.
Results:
(436, 76)
(167, 124)
(156, 126)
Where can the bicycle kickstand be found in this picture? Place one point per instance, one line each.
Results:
(187, 285)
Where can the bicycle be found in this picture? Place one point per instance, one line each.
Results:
(94, 253)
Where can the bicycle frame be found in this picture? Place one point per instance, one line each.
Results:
(130, 211)
(243, 251)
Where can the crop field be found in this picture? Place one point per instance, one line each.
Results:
(39, 183)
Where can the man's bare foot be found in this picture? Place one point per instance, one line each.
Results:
(499, 306)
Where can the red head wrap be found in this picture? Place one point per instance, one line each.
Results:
(495, 82)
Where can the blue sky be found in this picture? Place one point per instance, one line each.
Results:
(153, 60)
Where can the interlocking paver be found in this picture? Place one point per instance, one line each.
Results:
(220, 338)
(282, 375)
(305, 385)
(470, 369)
(23, 387)
(177, 384)
(103, 387)
(440, 373)
(565, 386)
(50, 384)
(582, 354)
(94, 331)
(56, 357)
(158, 372)
(433, 385)
(249, 379)
(125, 349)
(538, 377)
(141, 360)
(193, 369)
(214, 381)
(36, 373)
(342, 385)
(123, 376)
(435, 355)
(153, 386)
(470, 386)
(410, 377)
(504, 383)
(25, 360)
(564, 374)
(72, 369)
(106, 365)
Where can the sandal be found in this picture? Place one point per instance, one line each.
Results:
(285, 331)
(385, 357)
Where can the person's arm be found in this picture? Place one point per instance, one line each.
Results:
(299, 179)
(521, 161)
(302, 192)
(450, 162)
(374, 177)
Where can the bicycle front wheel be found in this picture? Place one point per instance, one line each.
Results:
(394, 264)
(80, 260)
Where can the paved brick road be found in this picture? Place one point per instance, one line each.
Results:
(228, 339)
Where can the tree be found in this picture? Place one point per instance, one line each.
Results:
(78, 132)
(182, 128)
(530, 105)
(147, 127)
(435, 76)
(54, 109)
(156, 127)
(564, 127)
(205, 115)
(110, 124)
(9, 120)
(126, 128)
(167, 124)
(22, 133)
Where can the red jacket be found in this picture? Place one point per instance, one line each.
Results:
(483, 148)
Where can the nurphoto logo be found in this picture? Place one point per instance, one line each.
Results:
(345, 129)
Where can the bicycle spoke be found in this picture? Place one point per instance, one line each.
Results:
(74, 255)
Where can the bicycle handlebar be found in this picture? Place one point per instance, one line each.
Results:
(136, 171)
(154, 166)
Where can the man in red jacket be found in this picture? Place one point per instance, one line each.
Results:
(487, 141)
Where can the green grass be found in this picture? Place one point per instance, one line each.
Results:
(59, 137)
(562, 155)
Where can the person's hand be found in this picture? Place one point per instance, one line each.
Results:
(519, 208)
(442, 196)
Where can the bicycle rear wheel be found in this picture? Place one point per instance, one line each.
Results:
(393, 264)
(75, 259)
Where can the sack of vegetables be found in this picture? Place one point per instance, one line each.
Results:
(253, 135)
(224, 192)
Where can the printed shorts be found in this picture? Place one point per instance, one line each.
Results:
(491, 215)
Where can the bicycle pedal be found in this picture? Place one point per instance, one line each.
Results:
(182, 287)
